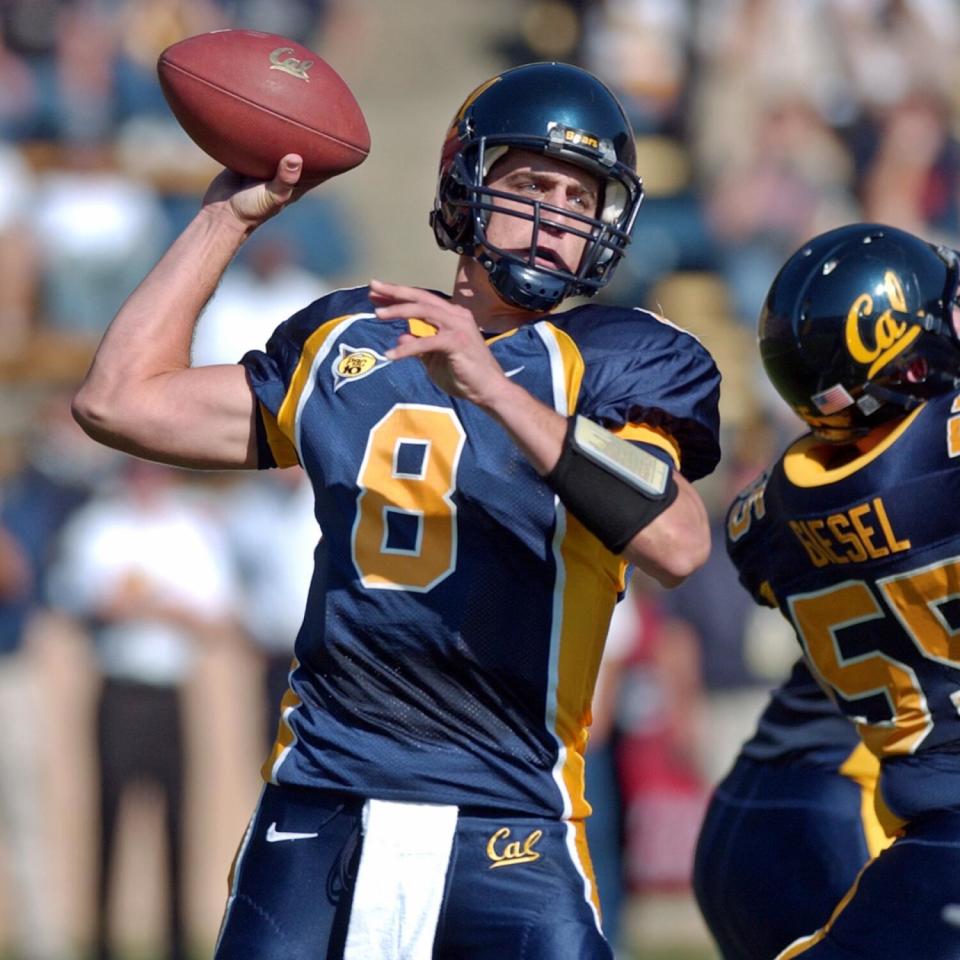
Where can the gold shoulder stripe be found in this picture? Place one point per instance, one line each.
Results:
(805, 462)
(502, 336)
(652, 435)
(287, 415)
(420, 328)
(573, 365)
(284, 452)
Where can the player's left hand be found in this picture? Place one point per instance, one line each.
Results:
(456, 356)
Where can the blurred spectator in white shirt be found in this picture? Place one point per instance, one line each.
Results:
(144, 567)
(255, 296)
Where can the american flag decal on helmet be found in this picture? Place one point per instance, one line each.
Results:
(832, 400)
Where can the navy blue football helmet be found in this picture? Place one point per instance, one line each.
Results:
(857, 328)
(566, 113)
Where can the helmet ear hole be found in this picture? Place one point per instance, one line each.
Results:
(917, 371)
(490, 156)
(614, 201)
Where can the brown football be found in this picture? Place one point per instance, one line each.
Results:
(247, 98)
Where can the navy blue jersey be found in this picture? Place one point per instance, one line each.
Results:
(863, 557)
(457, 613)
(781, 843)
(802, 724)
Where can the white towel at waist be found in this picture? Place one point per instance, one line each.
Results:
(400, 881)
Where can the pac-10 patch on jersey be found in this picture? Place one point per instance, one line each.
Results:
(355, 363)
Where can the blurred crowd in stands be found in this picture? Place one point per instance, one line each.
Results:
(759, 124)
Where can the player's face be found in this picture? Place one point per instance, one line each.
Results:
(534, 177)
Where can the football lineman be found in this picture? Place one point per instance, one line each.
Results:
(854, 535)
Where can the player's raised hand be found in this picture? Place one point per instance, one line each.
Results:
(254, 201)
(456, 356)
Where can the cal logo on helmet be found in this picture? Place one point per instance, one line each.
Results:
(857, 328)
(891, 334)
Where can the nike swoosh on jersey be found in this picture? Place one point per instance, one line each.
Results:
(513, 373)
(275, 836)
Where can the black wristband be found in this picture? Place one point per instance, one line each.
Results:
(611, 486)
